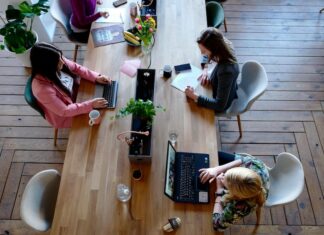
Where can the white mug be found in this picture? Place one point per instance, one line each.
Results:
(95, 117)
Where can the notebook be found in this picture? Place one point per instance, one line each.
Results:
(182, 182)
(187, 78)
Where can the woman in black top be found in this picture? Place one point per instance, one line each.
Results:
(223, 78)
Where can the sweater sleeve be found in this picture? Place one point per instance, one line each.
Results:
(79, 12)
(49, 99)
(219, 103)
(80, 70)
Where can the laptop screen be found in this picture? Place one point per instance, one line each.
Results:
(170, 171)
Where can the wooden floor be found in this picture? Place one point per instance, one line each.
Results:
(286, 36)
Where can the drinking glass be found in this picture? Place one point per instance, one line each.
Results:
(173, 135)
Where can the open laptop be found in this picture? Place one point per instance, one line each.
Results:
(182, 182)
(109, 92)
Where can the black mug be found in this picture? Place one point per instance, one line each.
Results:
(167, 71)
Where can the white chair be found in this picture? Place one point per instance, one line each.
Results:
(254, 82)
(39, 199)
(286, 180)
(61, 11)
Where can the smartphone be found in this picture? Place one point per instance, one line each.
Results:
(182, 67)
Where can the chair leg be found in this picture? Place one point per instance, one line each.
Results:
(55, 135)
(225, 25)
(75, 52)
(239, 125)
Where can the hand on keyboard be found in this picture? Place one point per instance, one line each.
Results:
(99, 103)
(103, 79)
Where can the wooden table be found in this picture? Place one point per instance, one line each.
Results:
(96, 161)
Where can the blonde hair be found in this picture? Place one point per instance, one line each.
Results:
(245, 184)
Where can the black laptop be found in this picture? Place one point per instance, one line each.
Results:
(109, 92)
(182, 182)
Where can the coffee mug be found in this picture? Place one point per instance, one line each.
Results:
(167, 71)
(95, 118)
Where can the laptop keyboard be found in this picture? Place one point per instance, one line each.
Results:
(110, 94)
(187, 175)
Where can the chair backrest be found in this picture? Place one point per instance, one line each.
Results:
(254, 82)
(39, 199)
(30, 98)
(286, 180)
(215, 14)
(61, 11)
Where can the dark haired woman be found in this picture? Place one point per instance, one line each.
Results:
(223, 78)
(83, 14)
(55, 84)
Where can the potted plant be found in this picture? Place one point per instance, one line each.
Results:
(17, 29)
(142, 110)
(143, 114)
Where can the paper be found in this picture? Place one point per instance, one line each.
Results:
(130, 67)
(115, 16)
(188, 78)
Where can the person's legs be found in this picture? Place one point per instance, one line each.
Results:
(224, 158)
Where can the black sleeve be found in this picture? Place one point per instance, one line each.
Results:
(219, 103)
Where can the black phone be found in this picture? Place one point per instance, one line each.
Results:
(182, 67)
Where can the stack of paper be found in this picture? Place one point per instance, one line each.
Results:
(115, 15)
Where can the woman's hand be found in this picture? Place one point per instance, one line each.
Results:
(203, 78)
(219, 183)
(190, 92)
(99, 103)
(103, 79)
(209, 174)
(104, 14)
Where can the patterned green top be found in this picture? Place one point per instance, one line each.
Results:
(234, 210)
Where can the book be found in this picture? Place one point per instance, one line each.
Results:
(187, 78)
(107, 35)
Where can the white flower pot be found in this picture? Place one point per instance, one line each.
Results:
(24, 57)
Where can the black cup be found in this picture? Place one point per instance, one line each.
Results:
(137, 174)
(167, 71)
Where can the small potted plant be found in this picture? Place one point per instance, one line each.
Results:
(141, 110)
(143, 114)
(17, 30)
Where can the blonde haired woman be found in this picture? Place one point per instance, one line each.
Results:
(242, 184)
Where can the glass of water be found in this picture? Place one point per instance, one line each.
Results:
(123, 192)
(173, 135)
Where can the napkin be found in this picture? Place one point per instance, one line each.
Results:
(130, 67)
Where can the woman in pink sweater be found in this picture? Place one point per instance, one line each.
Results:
(55, 85)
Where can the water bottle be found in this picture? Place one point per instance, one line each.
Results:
(123, 192)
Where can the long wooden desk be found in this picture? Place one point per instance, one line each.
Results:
(96, 161)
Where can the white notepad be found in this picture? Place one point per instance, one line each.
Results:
(115, 15)
(187, 78)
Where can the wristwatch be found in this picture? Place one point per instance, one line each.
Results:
(219, 194)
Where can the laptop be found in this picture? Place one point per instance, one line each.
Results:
(182, 182)
(109, 92)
